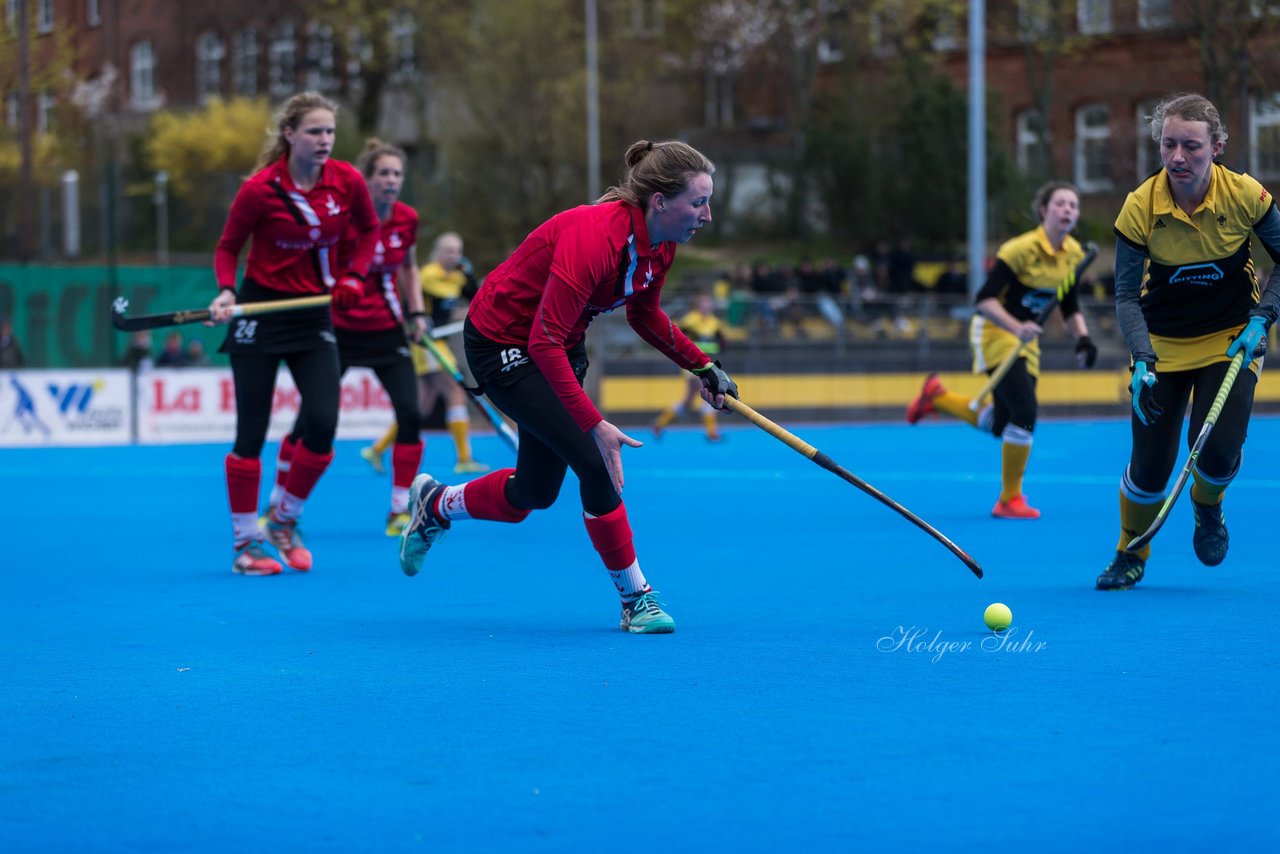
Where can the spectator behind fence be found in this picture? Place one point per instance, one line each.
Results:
(953, 280)
(137, 357)
(10, 353)
(172, 355)
(902, 268)
(196, 355)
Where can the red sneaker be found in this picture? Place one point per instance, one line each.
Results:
(1015, 508)
(252, 559)
(923, 403)
(287, 539)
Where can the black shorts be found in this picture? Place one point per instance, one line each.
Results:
(371, 349)
(278, 332)
(503, 365)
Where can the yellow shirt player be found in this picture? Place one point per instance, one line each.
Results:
(1025, 280)
(1187, 301)
(704, 329)
(446, 285)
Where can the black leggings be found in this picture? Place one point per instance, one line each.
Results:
(401, 383)
(1155, 447)
(550, 443)
(1014, 399)
(315, 373)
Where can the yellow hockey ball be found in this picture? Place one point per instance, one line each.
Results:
(998, 617)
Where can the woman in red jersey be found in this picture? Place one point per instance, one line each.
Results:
(525, 345)
(297, 206)
(371, 333)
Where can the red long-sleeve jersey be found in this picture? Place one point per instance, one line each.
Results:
(380, 307)
(576, 265)
(295, 234)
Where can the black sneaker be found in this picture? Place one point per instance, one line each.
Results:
(1210, 538)
(1124, 571)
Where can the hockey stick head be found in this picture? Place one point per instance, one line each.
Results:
(118, 309)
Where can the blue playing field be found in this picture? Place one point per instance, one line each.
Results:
(831, 685)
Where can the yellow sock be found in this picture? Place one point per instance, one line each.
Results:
(1204, 492)
(668, 415)
(1013, 463)
(709, 421)
(461, 431)
(1135, 518)
(387, 439)
(956, 405)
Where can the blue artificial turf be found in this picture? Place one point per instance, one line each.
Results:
(153, 701)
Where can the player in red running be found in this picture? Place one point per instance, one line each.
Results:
(297, 206)
(525, 344)
(371, 333)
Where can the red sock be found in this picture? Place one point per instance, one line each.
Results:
(284, 460)
(611, 535)
(305, 470)
(486, 498)
(244, 477)
(405, 459)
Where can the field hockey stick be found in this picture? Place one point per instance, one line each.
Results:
(1209, 420)
(448, 330)
(1091, 252)
(499, 423)
(804, 448)
(199, 315)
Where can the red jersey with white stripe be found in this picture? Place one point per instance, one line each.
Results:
(578, 264)
(380, 308)
(295, 234)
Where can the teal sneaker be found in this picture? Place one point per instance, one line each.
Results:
(1210, 539)
(644, 615)
(1125, 570)
(425, 527)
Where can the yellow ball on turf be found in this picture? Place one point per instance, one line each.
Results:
(998, 617)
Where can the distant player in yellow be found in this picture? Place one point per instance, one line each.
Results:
(1187, 298)
(704, 329)
(446, 283)
(1025, 279)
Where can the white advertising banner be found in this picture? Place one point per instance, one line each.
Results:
(65, 407)
(199, 405)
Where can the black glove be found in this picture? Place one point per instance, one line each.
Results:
(715, 380)
(1086, 352)
(1143, 387)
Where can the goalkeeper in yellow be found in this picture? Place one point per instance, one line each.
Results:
(1027, 277)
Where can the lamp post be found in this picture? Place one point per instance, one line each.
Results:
(593, 104)
(977, 146)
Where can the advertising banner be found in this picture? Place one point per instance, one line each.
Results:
(69, 407)
(199, 405)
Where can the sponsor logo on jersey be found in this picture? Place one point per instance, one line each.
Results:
(1197, 274)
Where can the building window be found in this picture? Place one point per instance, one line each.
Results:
(44, 16)
(646, 17)
(1264, 137)
(45, 104)
(11, 13)
(1148, 149)
(209, 55)
(244, 62)
(142, 76)
(833, 24)
(946, 32)
(1029, 140)
(1155, 14)
(1093, 17)
(320, 60)
(404, 31)
(1033, 19)
(1092, 148)
(92, 12)
(879, 30)
(719, 106)
(11, 110)
(282, 55)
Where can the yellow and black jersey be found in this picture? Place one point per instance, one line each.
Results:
(1025, 279)
(1200, 277)
(441, 291)
(705, 330)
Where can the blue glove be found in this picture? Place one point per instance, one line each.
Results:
(1143, 386)
(1252, 341)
